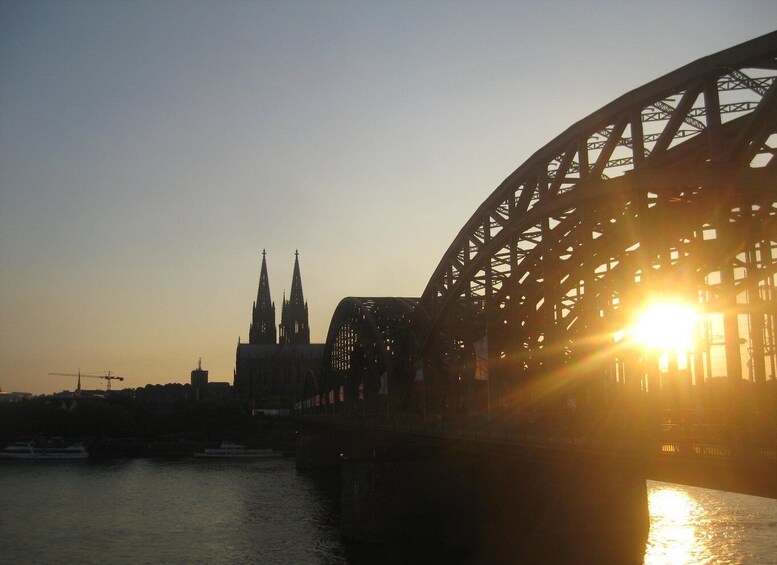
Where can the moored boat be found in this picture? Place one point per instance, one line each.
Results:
(46, 451)
(237, 451)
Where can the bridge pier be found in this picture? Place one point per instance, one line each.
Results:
(492, 506)
(387, 501)
(318, 451)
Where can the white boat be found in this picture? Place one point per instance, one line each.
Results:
(237, 451)
(49, 452)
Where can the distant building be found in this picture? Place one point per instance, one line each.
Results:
(274, 375)
(199, 376)
(219, 391)
(164, 395)
(199, 381)
(14, 396)
(203, 389)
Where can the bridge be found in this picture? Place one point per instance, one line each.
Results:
(608, 311)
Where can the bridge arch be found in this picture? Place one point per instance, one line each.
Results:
(368, 346)
(671, 189)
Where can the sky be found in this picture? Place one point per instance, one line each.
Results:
(150, 150)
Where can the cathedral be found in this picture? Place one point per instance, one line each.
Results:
(275, 374)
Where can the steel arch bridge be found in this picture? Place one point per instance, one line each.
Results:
(668, 191)
(367, 353)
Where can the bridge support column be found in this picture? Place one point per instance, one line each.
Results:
(318, 452)
(387, 501)
(498, 508)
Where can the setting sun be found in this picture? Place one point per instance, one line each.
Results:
(666, 325)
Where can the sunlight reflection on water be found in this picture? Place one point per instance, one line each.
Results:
(690, 525)
(138, 512)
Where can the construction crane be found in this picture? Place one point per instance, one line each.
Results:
(107, 377)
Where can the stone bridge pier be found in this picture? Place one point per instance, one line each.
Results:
(494, 505)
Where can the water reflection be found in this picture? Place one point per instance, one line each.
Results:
(169, 512)
(673, 535)
(695, 525)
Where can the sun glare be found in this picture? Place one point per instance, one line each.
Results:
(666, 326)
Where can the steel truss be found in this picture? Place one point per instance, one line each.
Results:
(369, 339)
(669, 190)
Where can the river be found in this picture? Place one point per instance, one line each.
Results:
(147, 511)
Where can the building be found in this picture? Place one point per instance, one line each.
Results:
(199, 381)
(199, 376)
(276, 374)
(14, 396)
(203, 389)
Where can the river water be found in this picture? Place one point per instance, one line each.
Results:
(144, 511)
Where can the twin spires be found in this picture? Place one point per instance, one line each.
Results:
(294, 328)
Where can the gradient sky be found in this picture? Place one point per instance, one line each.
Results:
(149, 151)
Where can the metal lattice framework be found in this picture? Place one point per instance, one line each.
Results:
(368, 337)
(670, 189)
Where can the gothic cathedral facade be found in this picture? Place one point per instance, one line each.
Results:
(270, 374)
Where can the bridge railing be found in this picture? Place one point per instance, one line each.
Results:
(649, 438)
(579, 435)
(716, 440)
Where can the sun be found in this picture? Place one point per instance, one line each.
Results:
(666, 326)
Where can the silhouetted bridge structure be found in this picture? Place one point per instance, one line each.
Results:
(525, 351)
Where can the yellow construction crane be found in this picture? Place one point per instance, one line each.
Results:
(107, 377)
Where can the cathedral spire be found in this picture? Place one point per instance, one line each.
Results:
(263, 318)
(294, 328)
(263, 294)
(296, 283)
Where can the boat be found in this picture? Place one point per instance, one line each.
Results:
(237, 451)
(45, 451)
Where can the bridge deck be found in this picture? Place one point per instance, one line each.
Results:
(667, 454)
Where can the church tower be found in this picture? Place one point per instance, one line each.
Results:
(262, 330)
(294, 328)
